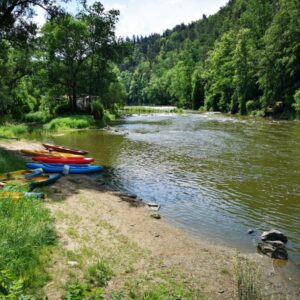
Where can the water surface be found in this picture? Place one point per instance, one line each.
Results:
(215, 175)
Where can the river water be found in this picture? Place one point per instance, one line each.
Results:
(217, 176)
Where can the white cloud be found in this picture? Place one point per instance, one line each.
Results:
(153, 16)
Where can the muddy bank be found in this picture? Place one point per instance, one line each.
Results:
(94, 223)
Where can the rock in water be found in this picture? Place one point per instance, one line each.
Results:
(274, 235)
(250, 231)
(274, 249)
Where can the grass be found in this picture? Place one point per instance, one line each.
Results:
(26, 234)
(248, 279)
(71, 122)
(10, 130)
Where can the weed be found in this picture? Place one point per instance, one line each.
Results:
(100, 274)
(248, 279)
(80, 291)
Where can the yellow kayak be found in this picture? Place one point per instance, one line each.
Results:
(48, 153)
(20, 174)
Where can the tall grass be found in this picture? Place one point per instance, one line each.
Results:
(70, 122)
(10, 162)
(248, 279)
(26, 232)
(10, 130)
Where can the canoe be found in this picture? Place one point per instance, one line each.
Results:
(20, 174)
(64, 149)
(66, 160)
(65, 168)
(47, 153)
(33, 182)
(18, 195)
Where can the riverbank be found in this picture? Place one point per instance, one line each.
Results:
(145, 256)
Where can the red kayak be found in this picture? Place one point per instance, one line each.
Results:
(64, 160)
(58, 148)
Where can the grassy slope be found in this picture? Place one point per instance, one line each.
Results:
(26, 232)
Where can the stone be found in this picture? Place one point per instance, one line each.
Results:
(153, 206)
(156, 216)
(250, 231)
(73, 263)
(273, 249)
(274, 235)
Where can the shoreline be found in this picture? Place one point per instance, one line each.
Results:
(90, 218)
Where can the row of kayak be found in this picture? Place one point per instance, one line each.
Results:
(55, 160)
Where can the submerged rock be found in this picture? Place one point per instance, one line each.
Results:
(274, 235)
(273, 249)
(156, 216)
(250, 231)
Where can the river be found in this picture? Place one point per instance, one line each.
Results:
(215, 175)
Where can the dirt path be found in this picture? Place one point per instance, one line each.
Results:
(145, 254)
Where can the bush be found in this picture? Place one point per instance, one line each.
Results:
(251, 106)
(12, 130)
(72, 122)
(297, 101)
(97, 110)
(38, 116)
(10, 162)
(79, 291)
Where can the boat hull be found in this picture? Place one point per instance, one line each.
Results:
(62, 168)
(57, 160)
(64, 149)
(48, 153)
(20, 174)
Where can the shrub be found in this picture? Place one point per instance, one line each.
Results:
(12, 130)
(61, 109)
(38, 116)
(72, 122)
(97, 109)
(297, 101)
(79, 291)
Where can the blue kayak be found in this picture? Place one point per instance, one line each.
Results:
(65, 168)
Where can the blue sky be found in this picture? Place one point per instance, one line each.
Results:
(153, 16)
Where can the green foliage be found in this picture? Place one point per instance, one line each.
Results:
(297, 101)
(12, 130)
(80, 291)
(100, 274)
(97, 109)
(10, 162)
(25, 229)
(10, 287)
(247, 279)
(71, 122)
(38, 117)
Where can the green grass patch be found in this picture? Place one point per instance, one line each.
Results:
(26, 234)
(9, 130)
(71, 122)
(10, 162)
(248, 279)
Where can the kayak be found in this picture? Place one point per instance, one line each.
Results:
(18, 195)
(47, 153)
(64, 149)
(66, 160)
(33, 182)
(65, 168)
(20, 174)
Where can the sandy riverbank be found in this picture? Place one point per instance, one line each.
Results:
(94, 223)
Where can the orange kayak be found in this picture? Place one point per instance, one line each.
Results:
(48, 153)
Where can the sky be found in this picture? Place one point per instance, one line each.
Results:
(143, 17)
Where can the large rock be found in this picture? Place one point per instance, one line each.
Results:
(274, 249)
(274, 235)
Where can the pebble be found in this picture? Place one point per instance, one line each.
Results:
(156, 216)
(73, 263)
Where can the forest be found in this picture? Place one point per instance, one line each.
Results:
(244, 59)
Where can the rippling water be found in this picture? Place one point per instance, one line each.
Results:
(213, 174)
